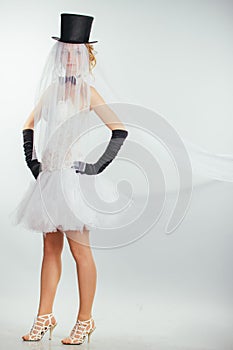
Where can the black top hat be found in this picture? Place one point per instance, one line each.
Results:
(75, 29)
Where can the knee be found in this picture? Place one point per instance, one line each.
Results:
(53, 244)
(82, 258)
(51, 251)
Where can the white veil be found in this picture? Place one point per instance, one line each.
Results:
(62, 115)
(59, 103)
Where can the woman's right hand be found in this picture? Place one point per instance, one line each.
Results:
(34, 165)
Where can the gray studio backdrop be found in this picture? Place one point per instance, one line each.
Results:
(161, 291)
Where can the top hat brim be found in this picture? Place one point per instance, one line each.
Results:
(74, 42)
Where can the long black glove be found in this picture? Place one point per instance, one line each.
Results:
(115, 143)
(34, 164)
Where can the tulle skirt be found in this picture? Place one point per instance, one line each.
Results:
(64, 200)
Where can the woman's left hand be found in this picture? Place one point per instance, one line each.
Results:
(84, 168)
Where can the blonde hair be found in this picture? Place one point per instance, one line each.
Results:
(92, 59)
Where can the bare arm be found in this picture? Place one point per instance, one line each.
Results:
(105, 113)
(29, 123)
(119, 134)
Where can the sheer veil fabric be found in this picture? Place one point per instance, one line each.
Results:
(62, 122)
(62, 106)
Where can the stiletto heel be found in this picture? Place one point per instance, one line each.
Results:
(80, 331)
(89, 335)
(51, 331)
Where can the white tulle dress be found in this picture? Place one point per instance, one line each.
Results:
(61, 199)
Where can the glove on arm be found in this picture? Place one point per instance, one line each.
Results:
(34, 165)
(115, 143)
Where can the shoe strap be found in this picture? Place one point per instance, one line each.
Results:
(40, 326)
(81, 326)
(86, 321)
(42, 316)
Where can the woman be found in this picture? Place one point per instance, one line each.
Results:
(67, 88)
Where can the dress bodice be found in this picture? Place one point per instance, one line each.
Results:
(58, 153)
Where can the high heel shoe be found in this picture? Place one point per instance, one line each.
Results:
(39, 327)
(80, 331)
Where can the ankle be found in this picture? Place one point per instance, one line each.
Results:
(83, 317)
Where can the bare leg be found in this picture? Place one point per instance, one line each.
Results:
(86, 271)
(50, 272)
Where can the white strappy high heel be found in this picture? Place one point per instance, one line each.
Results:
(80, 331)
(39, 327)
